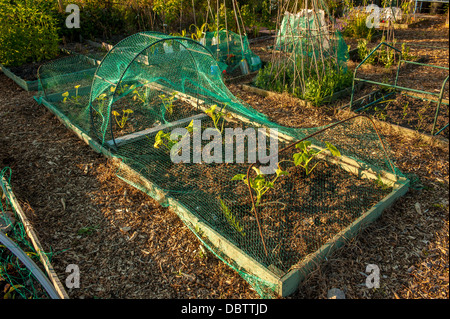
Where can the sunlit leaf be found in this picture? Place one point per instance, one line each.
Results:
(239, 177)
(333, 149)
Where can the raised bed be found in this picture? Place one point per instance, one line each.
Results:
(31, 69)
(283, 283)
(26, 85)
(52, 285)
(362, 102)
(272, 249)
(439, 123)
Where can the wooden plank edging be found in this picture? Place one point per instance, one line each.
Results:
(34, 239)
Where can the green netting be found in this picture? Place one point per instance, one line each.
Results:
(150, 84)
(16, 280)
(308, 33)
(310, 60)
(232, 50)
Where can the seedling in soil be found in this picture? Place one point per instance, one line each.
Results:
(381, 115)
(137, 95)
(382, 184)
(405, 110)
(168, 101)
(101, 104)
(124, 88)
(73, 99)
(86, 230)
(307, 154)
(231, 218)
(421, 116)
(380, 112)
(10, 294)
(124, 119)
(259, 184)
(216, 116)
(405, 53)
(164, 139)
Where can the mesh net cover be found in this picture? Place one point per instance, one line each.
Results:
(150, 84)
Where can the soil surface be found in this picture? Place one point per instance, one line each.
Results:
(412, 113)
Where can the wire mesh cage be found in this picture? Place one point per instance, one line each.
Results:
(232, 50)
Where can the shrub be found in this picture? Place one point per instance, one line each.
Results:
(27, 33)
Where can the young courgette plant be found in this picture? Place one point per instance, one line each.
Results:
(163, 139)
(307, 154)
(216, 116)
(74, 99)
(261, 184)
(125, 114)
(168, 101)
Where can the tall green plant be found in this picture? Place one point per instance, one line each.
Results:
(314, 89)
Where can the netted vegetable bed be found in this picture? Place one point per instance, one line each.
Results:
(269, 201)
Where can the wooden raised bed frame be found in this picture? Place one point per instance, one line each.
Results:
(285, 283)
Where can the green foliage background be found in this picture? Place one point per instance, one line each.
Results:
(28, 32)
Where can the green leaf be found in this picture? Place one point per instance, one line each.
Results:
(259, 182)
(190, 127)
(11, 290)
(211, 109)
(158, 139)
(225, 209)
(258, 171)
(333, 149)
(297, 160)
(280, 172)
(239, 177)
(300, 158)
(303, 145)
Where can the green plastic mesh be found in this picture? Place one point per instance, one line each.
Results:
(310, 60)
(16, 280)
(150, 84)
(308, 33)
(230, 49)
